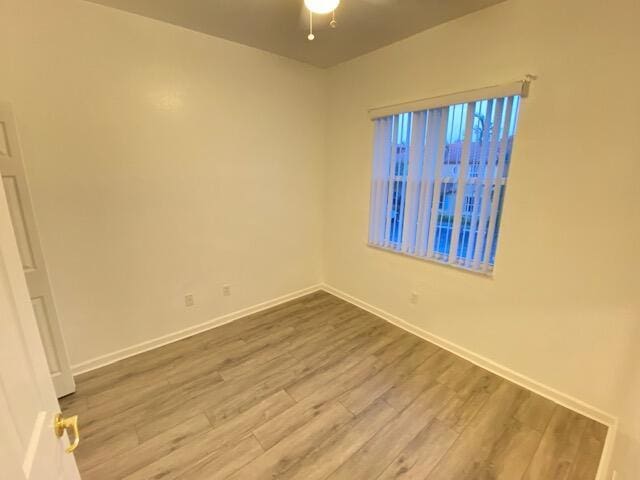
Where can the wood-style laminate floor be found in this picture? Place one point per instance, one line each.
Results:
(319, 389)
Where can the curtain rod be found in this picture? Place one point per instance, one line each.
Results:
(520, 87)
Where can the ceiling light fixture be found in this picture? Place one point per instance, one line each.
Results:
(321, 7)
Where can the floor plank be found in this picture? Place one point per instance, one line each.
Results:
(337, 448)
(406, 391)
(422, 454)
(559, 446)
(219, 467)
(141, 455)
(476, 442)
(585, 464)
(359, 398)
(376, 455)
(536, 412)
(511, 453)
(283, 456)
(214, 443)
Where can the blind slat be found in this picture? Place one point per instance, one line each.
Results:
(461, 183)
(437, 178)
(416, 165)
(434, 118)
(380, 173)
(373, 202)
(497, 189)
(488, 183)
(401, 182)
(477, 198)
(391, 183)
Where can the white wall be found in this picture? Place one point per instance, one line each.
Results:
(161, 162)
(562, 307)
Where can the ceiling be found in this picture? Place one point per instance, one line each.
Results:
(281, 26)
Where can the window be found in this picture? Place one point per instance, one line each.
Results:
(439, 177)
(469, 201)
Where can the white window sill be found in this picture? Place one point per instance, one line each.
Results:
(459, 268)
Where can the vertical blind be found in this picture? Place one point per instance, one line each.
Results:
(438, 183)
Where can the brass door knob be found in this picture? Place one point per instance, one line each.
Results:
(60, 424)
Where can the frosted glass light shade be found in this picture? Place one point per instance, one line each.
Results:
(321, 6)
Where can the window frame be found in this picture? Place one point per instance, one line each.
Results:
(496, 152)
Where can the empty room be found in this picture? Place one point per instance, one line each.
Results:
(320, 239)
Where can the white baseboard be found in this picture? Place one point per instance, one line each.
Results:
(112, 357)
(486, 363)
(604, 467)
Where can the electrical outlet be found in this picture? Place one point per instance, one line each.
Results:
(189, 300)
(226, 290)
(414, 297)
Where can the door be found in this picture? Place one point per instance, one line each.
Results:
(32, 260)
(29, 447)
